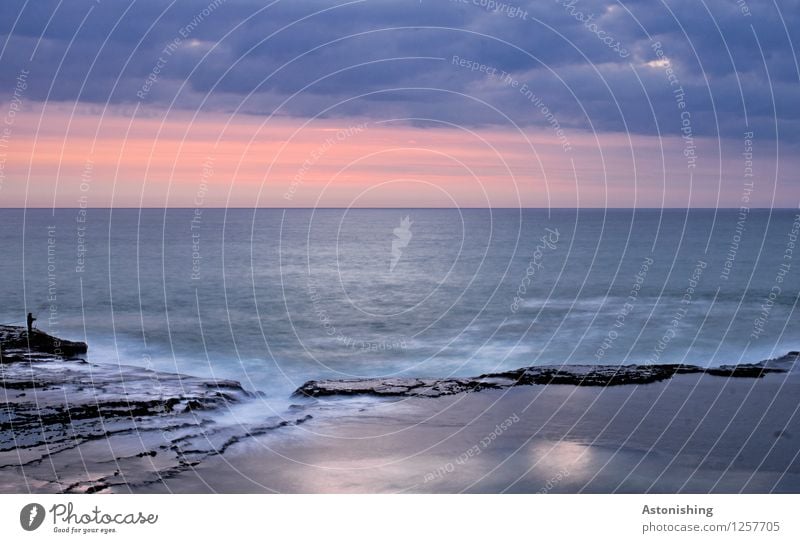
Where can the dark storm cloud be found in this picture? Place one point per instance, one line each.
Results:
(589, 62)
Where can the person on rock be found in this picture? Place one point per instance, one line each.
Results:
(31, 319)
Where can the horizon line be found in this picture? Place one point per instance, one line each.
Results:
(53, 208)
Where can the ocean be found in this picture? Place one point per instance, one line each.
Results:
(274, 297)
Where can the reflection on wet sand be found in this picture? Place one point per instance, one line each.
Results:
(663, 437)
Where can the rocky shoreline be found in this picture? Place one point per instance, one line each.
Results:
(70, 426)
(67, 425)
(584, 376)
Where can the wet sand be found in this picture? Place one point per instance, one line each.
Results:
(692, 434)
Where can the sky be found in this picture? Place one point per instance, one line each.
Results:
(399, 103)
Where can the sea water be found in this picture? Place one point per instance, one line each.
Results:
(274, 297)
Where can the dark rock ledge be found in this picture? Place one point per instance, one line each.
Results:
(70, 426)
(596, 376)
(17, 346)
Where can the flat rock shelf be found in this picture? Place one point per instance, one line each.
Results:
(70, 426)
(576, 375)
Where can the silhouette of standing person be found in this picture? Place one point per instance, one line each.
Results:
(31, 318)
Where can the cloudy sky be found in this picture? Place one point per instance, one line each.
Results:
(399, 103)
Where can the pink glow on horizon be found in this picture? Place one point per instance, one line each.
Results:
(169, 160)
